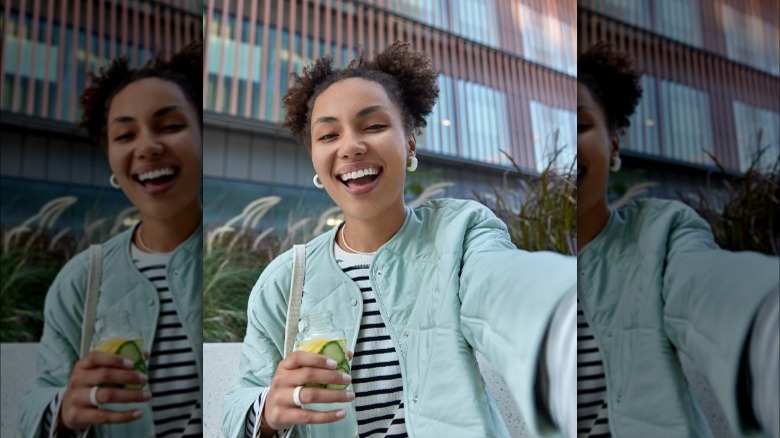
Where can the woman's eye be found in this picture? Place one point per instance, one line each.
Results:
(376, 126)
(123, 137)
(173, 126)
(327, 137)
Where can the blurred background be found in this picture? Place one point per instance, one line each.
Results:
(707, 129)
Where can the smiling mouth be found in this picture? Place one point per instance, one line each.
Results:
(359, 178)
(157, 176)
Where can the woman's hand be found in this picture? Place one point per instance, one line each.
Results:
(95, 368)
(299, 368)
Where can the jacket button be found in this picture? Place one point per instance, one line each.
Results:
(379, 273)
(354, 302)
(406, 334)
(414, 399)
(151, 302)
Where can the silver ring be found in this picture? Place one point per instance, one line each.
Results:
(297, 396)
(93, 396)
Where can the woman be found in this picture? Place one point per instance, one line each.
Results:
(148, 121)
(653, 283)
(415, 290)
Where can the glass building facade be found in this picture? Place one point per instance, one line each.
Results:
(711, 76)
(48, 49)
(507, 66)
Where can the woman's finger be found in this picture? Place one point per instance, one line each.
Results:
(306, 416)
(102, 416)
(103, 375)
(120, 395)
(318, 395)
(95, 359)
(298, 359)
(305, 375)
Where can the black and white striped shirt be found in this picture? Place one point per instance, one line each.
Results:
(173, 374)
(376, 372)
(592, 419)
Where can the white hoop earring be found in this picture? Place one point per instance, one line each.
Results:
(317, 182)
(412, 164)
(114, 183)
(616, 163)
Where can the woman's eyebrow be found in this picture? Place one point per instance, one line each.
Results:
(165, 110)
(157, 114)
(370, 109)
(362, 113)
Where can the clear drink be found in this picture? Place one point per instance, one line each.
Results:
(115, 335)
(320, 336)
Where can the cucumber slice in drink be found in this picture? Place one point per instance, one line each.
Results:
(333, 350)
(131, 351)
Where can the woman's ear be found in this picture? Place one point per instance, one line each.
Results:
(614, 143)
(411, 145)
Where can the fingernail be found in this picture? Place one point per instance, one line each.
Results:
(331, 363)
(147, 395)
(341, 413)
(142, 378)
(127, 363)
(346, 378)
(350, 395)
(137, 413)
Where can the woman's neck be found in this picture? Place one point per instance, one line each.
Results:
(166, 234)
(590, 223)
(368, 235)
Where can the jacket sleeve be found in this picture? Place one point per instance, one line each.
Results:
(711, 298)
(59, 347)
(263, 343)
(508, 298)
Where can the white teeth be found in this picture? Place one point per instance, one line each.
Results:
(155, 174)
(359, 174)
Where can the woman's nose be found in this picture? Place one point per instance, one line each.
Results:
(149, 146)
(351, 145)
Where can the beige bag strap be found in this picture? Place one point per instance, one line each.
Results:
(296, 294)
(91, 299)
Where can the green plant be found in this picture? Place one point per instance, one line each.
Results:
(32, 255)
(539, 210)
(744, 214)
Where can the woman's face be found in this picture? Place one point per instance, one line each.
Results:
(595, 148)
(359, 148)
(154, 148)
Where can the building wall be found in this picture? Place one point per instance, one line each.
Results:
(711, 76)
(506, 66)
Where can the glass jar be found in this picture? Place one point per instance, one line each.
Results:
(115, 335)
(320, 336)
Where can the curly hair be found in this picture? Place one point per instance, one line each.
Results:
(407, 76)
(613, 81)
(184, 68)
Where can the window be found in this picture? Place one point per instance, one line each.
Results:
(751, 40)
(548, 40)
(758, 130)
(687, 127)
(554, 135)
(679, 20)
